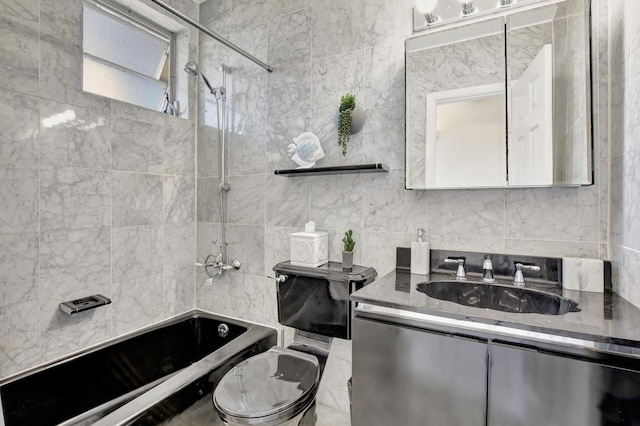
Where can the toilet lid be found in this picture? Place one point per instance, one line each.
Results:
(267, 383)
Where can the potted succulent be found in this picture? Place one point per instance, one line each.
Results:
(347, 250)
(350, 119)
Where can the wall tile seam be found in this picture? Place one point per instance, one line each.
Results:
(141, 173)
(291, 12)
(34, 232)
(164, 269)
(379, 107)
(247, 175)
(176, 176)
(622, 247)
(111, 314)
(34, 97)
(350, 52)
(47, 37)
(119, 120)
(141, 225)
(41, 351)
(626, 152)
(544, 240)
(44, 165)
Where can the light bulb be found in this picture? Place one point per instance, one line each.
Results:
(426, 6)
(467, 7)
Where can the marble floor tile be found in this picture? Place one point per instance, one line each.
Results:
(202, 413)
(329, 416)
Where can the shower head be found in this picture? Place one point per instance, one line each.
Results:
(192, 69)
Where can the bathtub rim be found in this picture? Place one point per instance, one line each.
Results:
(130, 411)
(193, 313)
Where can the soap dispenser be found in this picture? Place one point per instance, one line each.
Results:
(420, 263)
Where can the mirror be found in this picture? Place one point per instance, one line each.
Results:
(503, 102)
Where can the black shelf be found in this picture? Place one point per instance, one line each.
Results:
(335, 170)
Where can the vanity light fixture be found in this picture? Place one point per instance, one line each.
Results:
(436, 15)
(428, 9)
(468, 7)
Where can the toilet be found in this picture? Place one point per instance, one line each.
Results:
(278, 387)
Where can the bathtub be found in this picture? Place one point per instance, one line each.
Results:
(145, 377)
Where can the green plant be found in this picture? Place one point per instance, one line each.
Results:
(347, 104)
(349, 244)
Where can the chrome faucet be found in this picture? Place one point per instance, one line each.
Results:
(487, 271)
(460, 274)
(518, 279)
(214, 264)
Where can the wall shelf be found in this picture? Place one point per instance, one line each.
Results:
(334, 170)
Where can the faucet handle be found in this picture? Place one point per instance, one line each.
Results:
(518, 279)
(460, 273)
(278, 278)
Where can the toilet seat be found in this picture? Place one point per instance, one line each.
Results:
(277, 384)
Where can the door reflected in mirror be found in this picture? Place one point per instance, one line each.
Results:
(531, 139)
(467, 127)
(456, 107)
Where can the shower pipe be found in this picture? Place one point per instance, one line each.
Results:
(214, 35)
(219, 262)
(221, 112)
(220, 93)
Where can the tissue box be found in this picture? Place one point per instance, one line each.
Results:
(583, 274)
(309, 248)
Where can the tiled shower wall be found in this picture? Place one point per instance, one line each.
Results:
(624, 33)
(96, 196)
(321, 50)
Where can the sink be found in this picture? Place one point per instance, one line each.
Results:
(499, 297)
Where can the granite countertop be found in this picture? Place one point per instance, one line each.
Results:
(604, 317)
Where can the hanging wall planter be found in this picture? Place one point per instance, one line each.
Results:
(349, 120)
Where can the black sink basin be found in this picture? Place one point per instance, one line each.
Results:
(500, 297)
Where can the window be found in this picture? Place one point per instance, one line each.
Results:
(126, 57)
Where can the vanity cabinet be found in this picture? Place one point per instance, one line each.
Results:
(532, 387)
(411, 373)
(408, 376)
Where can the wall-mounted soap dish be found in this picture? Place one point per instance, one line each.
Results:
(86, 303)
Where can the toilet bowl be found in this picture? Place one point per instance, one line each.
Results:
(278, 387)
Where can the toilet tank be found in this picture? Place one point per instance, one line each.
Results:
(317, 299)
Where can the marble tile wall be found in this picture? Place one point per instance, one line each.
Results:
(624, 84)
(320, 50)
(89, 205)
(96, 196)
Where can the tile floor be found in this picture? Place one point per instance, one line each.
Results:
(202, 413)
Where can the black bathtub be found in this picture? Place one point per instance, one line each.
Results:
(143, 378)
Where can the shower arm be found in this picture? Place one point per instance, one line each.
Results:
(214, 35)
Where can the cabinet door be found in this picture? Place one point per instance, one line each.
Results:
(531, 388)
(409, 377)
